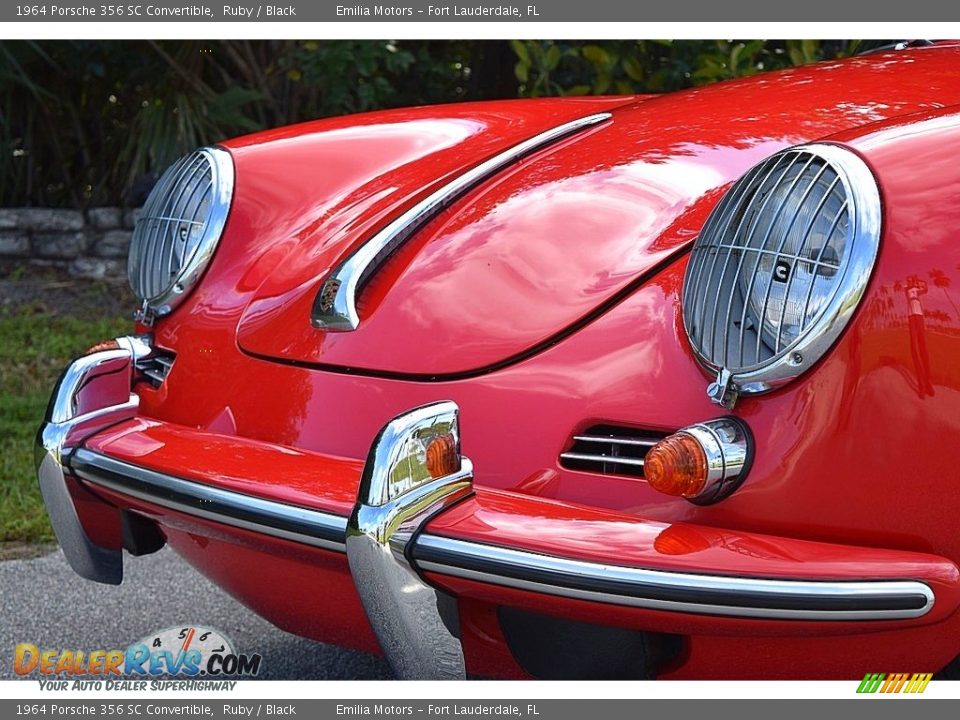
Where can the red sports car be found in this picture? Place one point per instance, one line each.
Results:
(614, 387)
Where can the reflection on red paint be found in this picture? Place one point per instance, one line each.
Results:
(523, 260)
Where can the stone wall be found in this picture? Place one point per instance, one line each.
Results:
(89, 244)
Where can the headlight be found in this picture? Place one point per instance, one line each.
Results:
(780, 266)
(178, 231)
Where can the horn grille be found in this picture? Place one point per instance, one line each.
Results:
(609, 450)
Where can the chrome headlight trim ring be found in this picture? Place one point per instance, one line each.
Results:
(864, 217)
(152, 244)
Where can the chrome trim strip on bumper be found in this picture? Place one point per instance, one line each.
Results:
(674, 591)
(384, 545)
(595, 582)
(335, 307)
(268, 517)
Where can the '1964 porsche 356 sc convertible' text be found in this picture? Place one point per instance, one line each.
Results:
(615, 387)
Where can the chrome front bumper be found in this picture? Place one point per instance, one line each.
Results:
(384, 539)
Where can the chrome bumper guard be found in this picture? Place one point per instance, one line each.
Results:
(91, 394)
(416, 624)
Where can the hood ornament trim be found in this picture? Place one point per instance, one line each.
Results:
(334, 308)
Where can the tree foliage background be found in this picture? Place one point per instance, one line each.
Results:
(89, 122)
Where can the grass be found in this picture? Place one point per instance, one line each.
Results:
(36, 342)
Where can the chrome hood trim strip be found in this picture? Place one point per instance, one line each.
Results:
(335, 307)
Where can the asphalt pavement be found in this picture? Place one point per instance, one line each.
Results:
(43, 602)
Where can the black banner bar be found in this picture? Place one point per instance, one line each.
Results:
(577, 11)
(443, 709)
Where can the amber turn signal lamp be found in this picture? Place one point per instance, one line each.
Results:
(702, 463)
(442, 456)
(105, 345)
(676, 465)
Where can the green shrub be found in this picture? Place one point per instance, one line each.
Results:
(86, 122)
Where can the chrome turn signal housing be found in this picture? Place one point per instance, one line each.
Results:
(413, 450)
(703, 463)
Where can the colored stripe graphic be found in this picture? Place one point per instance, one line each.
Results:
(895, 683)
(871, 682)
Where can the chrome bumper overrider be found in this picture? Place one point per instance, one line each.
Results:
(72, 416)
(384, 542)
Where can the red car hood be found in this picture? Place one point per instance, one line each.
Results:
(543, 246)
